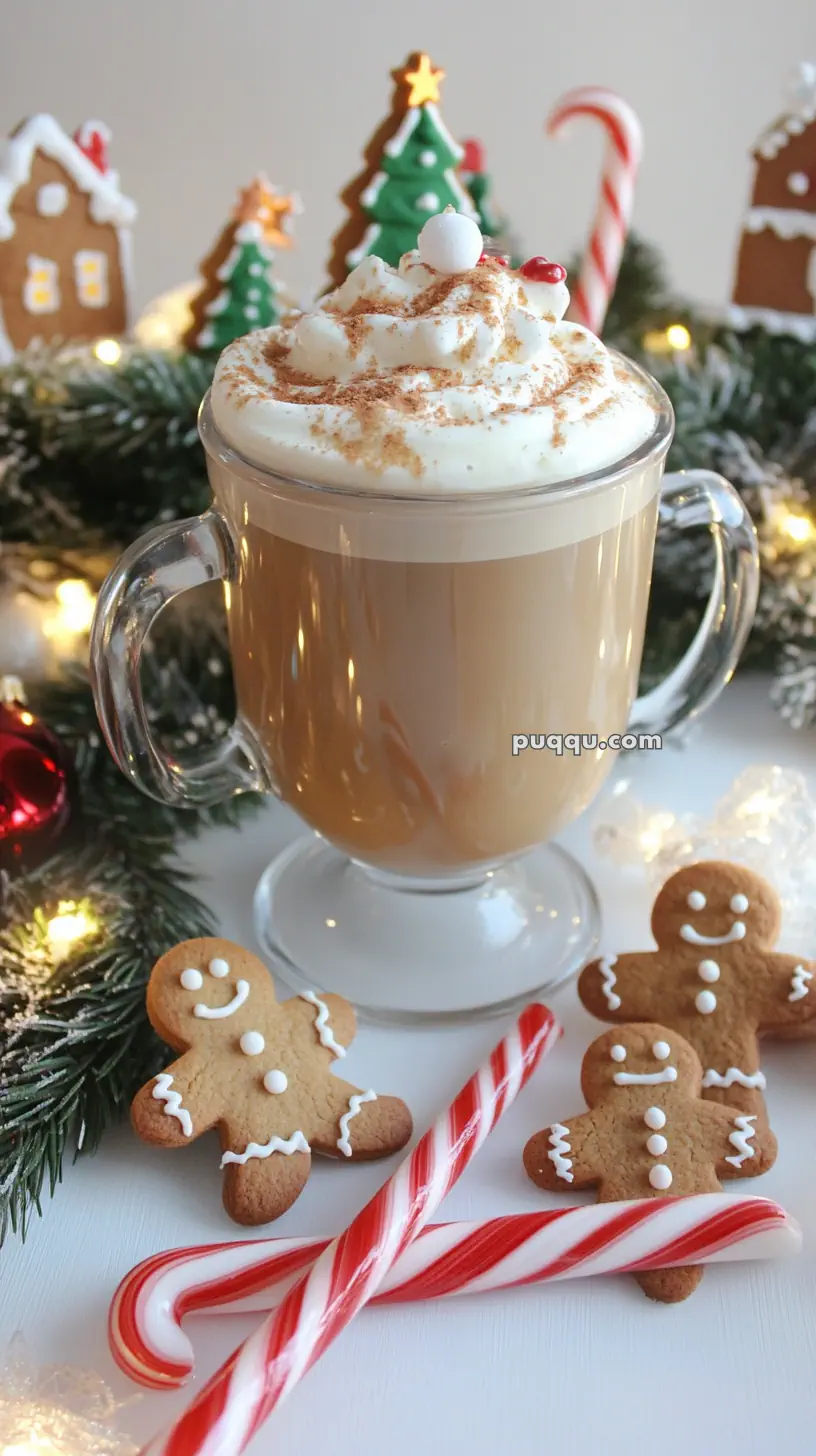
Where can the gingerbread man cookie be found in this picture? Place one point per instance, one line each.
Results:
(648, 1134)
(260, 1072)
(714, 978)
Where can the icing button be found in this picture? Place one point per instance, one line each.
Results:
(275, 1081)
(656, 1144)
(654, 1117)
(660, 1177)
(252, 1043)
(708, 971)
(706, 1002)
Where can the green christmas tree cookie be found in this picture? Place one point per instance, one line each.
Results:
(238, 293)
(410, 175)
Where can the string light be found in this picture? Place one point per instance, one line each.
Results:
(797, 526)
(71, 923)
(672, 340)
(69, 616)
(108, 351)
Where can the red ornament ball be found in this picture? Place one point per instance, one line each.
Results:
(541, 270)
(35, 800)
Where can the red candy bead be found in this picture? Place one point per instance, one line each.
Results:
(541, 270)
(492, 258)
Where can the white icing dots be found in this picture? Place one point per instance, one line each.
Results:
(739, 904)
(708, 971)
(275, 1081)
(191, 979)
(618, 1053)
(660, 1177)
(654, 1117)
(798, 183)
(656, 1144)
(218, 968)
(252, 1043)
(696, 900)
(661, 1050)
(706, 1002)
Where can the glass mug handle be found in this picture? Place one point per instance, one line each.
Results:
(703, 498)
(158, 567)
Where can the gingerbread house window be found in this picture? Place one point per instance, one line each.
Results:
(41, 292)
(52, 199)
(91, 278)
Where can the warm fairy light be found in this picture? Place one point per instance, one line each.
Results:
(798, 527)
(351, 670)
(77, 603)
(70, 924)
(651, 839)
(68, 617)
(761, 804)
(108, 351)
(27, 718)
(675, 339)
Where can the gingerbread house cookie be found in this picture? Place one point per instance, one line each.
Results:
(64, 237)
(775, 282)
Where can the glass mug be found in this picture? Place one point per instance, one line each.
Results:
(391, 655)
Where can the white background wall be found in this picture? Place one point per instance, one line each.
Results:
(202, 93)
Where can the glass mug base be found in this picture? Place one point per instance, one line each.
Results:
(403, 955)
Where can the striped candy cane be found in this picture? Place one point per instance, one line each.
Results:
(599, 269)
(149, 1344)
(224, 1417)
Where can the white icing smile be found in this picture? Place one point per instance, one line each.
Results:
(645, 1079)
(737, 932)
(215, 1013)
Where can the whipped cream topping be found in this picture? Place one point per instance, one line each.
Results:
(413, 381)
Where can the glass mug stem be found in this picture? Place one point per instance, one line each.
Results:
(171, 559)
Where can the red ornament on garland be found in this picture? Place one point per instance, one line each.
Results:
(541, 270)
(35, 771)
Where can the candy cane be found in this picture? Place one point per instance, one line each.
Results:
(149, 1344)
(599, 268)
(223, 1418)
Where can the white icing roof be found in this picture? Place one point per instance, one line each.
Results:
(43, 134)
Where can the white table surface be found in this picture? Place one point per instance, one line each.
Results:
(584, 1367)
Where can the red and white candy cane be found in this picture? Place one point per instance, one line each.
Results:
(149, 1344)
(224, 1417)
(599, 269)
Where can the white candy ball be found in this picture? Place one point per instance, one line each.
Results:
(450, 243)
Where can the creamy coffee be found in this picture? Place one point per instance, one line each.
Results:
(391, 633)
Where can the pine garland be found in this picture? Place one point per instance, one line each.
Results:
(75, 1043)
(90, 456)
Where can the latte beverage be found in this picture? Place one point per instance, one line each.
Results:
(433, 556)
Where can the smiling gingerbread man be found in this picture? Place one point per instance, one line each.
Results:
(260, 1072)
(648, 1134)
(714, 977)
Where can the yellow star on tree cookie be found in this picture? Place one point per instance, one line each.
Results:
(424, 81)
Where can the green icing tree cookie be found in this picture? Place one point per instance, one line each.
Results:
(238, 293)
(410, 174)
